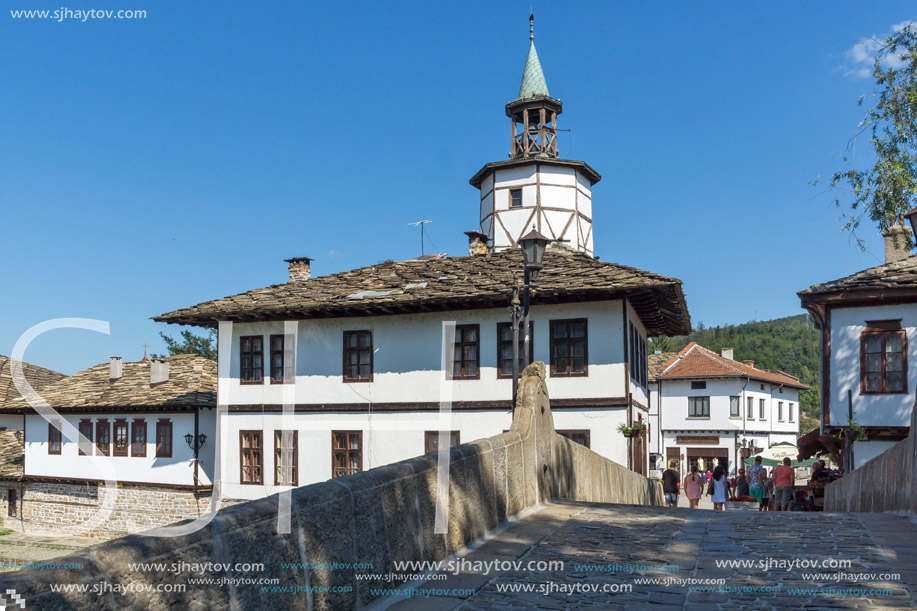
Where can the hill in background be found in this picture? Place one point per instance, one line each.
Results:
(789, 344)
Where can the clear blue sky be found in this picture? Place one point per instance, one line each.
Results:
(147, 165)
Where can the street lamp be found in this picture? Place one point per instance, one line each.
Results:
(195, 443)
(533, 246)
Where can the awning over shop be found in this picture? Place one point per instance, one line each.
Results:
(774, 456)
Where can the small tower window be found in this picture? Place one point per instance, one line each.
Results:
(515, 198)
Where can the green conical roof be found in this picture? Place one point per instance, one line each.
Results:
(533, 83)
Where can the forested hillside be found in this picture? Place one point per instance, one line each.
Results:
(789, 344)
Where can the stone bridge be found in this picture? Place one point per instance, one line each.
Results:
(528, 496)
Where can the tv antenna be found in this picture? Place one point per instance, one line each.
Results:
(421, 223)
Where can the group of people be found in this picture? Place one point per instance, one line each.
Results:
(773, 491)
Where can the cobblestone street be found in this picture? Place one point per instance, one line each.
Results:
(583, 534)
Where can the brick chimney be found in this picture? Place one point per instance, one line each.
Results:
(477, 243)
(749, 363)
(896, 248)
(727, 353)
(114, 369)
(300, 268)
(159, 372)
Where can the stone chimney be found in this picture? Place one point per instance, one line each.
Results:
(477, 243)
(749, 363)
(159, 372)
(114, 369)
(300, 268)
(896, 248)
(727, 353)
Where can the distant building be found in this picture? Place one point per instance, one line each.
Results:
(37, 377)
(709, 404)
(358, 354)
(138, 415)
(868, 323)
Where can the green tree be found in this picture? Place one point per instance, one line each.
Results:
(888, 188)
(205, 346)
(662, 343)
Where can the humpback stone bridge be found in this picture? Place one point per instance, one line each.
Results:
(534, 521)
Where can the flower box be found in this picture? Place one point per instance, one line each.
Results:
(742, 506)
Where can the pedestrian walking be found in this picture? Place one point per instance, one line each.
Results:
(784, 477)
(720, 486)
(741, 484)
(670, 485)
(756, 480)
(693, 485)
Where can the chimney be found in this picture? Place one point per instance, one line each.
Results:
(896, 248)
(159, 372)
(749, 363)
(114, 371)
(727, 353)
(300, 268)
(477, 243)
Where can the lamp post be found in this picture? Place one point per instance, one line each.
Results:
(533, 246)
(195, 443)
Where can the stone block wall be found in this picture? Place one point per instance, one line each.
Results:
(49, 508)
(372, 519)
(888, 482)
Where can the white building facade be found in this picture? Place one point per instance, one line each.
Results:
(868, 323)
(712, 408)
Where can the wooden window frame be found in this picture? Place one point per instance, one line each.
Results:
(569, 373)
(139, 424)
(81, 449)
(460, 331)
(699, 385)
(738, 403)
(779, 411)
(260, 465)
(55, 437)
(762, 412)
(278, 436)
(884, 329)
(120, 423)
(789, 408)
(346, 451)
(252, 353)
(12, 500)
(512, 192)
(750, 414)
(164, 423)
(271, 354)
(705, 401)
(429, 435)
(500, 342)
(569, 433)
(347, 350)
(103, 425)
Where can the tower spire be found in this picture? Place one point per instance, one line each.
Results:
(532, 27)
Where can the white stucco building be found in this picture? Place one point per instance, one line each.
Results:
(357, 357)
(708, 404)
(868, 323)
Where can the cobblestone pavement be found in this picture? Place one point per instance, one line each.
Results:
(845, 546)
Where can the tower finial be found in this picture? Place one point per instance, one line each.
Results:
(532, 26)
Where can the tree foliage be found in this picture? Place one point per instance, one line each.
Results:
(789, 344)
(888, 188)
(205, 346)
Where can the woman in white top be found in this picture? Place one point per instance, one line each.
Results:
(720, 489)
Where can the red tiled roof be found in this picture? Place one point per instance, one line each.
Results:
(695, 361)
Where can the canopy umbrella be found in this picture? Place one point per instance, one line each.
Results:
(774, 456)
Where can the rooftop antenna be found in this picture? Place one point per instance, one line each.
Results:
(421, 223)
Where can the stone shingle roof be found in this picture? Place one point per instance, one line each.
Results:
(655, 362)
(11, 459)
(192, 382)
(37, 377)
(449, 284)
(896, 277)
(695, 361)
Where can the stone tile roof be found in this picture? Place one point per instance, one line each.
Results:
(695, 361)
(37, 377)
(897, 276)
(449, 284)
(11, 458)
(655, 362)
(192, 382)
